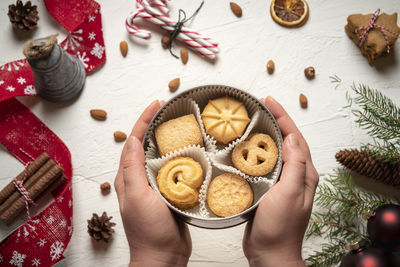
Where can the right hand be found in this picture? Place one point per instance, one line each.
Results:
(274, 236)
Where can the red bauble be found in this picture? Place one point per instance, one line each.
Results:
(369, 257)
(384, 226)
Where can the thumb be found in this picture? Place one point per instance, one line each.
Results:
(294, 168)
(133, 167)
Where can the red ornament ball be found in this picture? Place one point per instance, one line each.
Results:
(384, 226)
(369, 257)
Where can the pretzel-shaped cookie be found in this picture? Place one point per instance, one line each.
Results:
(256, 156)
(179, 180)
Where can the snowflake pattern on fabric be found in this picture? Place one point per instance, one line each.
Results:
(42, 242)
(21, 80)
(17, 259)
(83, 58)
(10, 88)
(35, 262)
(50, 219)
(92, 36)
(30, 90)
(97, 50)
(63, 223)
(56, 250)
(1, 258)
(1, 82)
(73, 40)
(28, 230)
(91, 18)
(13, 66)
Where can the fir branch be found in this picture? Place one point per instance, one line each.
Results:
(378, 114)
(349, 230)
(385, 152)
(335, 79)
(330, 255)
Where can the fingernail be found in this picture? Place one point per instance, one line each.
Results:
(133, 143)
(162, 102)
(272, 99)
(292, 140)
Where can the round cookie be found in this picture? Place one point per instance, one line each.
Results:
(229, 194)
(225, 119)
(179, 181)
(256, 156)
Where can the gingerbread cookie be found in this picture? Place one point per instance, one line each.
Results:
(256, 156)
(179, 181)
(178, 133)
(225, 119)
(229, 194)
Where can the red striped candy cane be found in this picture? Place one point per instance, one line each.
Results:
(203, 46)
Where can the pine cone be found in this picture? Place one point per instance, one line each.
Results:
(23, 16)
(365, 164)
(100, 228)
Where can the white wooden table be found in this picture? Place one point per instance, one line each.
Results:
(125, 86)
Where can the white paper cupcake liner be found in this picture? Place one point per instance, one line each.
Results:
(213, 158)
(198, 154)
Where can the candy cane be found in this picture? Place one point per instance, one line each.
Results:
(203, 46)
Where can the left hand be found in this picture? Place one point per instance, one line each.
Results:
(155, 237)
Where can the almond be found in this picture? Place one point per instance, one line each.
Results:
(98, 114)
(105, 188)
(303, 101)
(174, 84)
(123, 46)
(165, 41)
(119, 136)
(270, 66)
(309, 73)
(184, 56)
(236, 9)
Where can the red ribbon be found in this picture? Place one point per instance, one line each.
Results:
(42, 239)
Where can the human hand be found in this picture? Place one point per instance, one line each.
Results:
(275, 234)
(155, 237)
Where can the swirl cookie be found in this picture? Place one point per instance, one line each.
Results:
(225, 119)
(178, 133)
(229, 194)
(256, 156)
(179, 181)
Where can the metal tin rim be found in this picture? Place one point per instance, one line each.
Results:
(249, 210)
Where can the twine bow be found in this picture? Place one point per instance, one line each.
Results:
(178, 26)
(372, 25)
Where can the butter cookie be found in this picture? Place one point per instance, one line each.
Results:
(225, 119)
(256, 156)
(229, 194)
(179, 181)
(178, 133)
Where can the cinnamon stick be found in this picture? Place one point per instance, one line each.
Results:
(9, 189)
(28, 184)
(56, 172)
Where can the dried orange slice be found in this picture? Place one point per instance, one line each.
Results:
(289, 13)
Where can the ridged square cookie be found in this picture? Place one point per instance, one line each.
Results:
(178, 133)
